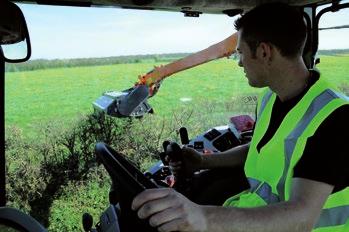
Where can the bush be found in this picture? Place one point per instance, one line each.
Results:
(62, 155)
(24, 181)
(56, 173)
(79, 198)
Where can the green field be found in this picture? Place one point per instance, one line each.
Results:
(41, 96)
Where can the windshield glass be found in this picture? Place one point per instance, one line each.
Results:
(80, 53)
(334, 44)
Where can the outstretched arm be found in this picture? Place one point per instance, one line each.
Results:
(299, 214)
(194, 160)
(233, 157)
(222, 49)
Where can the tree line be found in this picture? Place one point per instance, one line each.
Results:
(81, 62)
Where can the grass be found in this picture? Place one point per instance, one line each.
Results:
(335, 69)
(36, 97)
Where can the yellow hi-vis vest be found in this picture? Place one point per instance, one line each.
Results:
(270, 171)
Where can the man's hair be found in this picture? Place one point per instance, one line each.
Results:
(276, 23)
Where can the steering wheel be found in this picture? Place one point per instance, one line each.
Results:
(16, 221)
(129, 182)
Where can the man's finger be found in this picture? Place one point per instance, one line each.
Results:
(177, 224)
(149, 195)
(164, 216)
(153, 207)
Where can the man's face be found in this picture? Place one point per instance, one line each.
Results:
(253, 67)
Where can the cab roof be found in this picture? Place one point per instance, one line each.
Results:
(188, 7)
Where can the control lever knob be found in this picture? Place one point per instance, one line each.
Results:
(165, 144)
(163, 154)
(174, 151)
(183, 133)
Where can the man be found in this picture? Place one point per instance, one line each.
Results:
(297, 172)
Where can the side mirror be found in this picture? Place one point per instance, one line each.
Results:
(14, 36)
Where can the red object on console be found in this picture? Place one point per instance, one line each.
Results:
(242, 122)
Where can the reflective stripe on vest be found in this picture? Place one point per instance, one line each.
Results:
(333, 216)
(264, 102)
(290, 143)
(263, 190)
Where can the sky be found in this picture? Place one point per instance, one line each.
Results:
(75, 32)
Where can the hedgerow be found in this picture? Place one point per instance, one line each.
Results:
(55, 174)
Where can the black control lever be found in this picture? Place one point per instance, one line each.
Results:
(174, 151)
(163, 155)
(183, 133)
(165, 144)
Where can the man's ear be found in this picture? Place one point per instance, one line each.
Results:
(265, 52)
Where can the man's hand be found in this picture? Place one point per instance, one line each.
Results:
(192, 161)
(169, 210)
